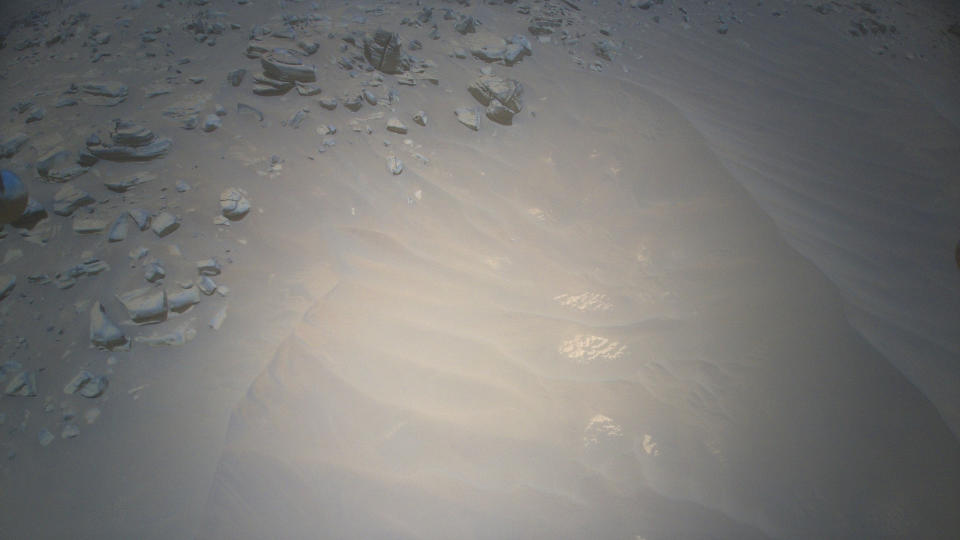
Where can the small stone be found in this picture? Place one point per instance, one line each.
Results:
(165, 223)
(396, 126)
(44, 437)
(154, 272)
(70, 431)
(36, 114)
(235, 77)
(394, 165)
(369, 97)
(217, 320)
(211, 123)
(328, 103)
(182, 186)
(206, 285)
(421, 118)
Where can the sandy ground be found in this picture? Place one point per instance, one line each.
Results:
(702, 288)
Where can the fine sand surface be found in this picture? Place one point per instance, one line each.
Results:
(703, 288)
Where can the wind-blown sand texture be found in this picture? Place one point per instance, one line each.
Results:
(703, 288)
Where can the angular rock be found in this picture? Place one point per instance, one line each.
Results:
(208, 267)
(396, 126)
(384, 52)
(87, 385)
(234, 204)
(353, 103)
(394, 165)
(328, 103)
(154, 272)
(466, 25)
(68, 198)
(141, 217)
(469, 117)
(60, 166)
(211, 123)
(182, 299)
(420, 117)
(308, 89)
(165, 223)
(206, 285)
(118, 230)
(605, 49)
(23, 384)
(145, 305)
(10, 147)
(103, 332)
(503, 97)
(235, 77)
(218, 318)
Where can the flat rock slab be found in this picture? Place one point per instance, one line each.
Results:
(284, 65)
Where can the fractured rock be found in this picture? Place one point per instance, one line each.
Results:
(234, 204)
(87, 385)
(394, 165)
(503, 97)
(384, 52)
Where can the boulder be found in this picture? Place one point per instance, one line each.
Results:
(384, 52)
(13, 197)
